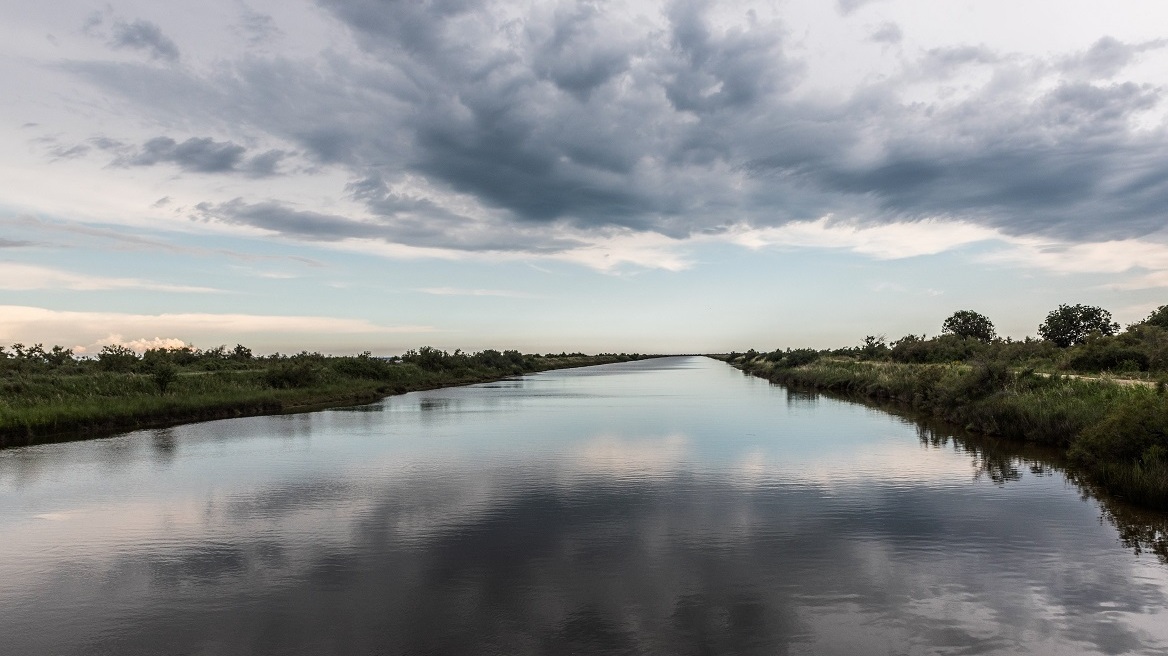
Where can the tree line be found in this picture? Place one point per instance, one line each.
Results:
(1081, 338)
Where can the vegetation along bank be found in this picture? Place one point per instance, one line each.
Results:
(50, 395)
(1084, 386)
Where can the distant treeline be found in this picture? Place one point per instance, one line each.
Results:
(1074, 338)
(1113, 428)
(50, 394)
(19, 358)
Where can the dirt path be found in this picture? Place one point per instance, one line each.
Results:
(1126, 382)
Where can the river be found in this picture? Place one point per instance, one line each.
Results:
(668, 506)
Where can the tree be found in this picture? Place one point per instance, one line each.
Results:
(873, 346)
(1158, 317)
(116, 357)
(1072, 324)
(967, 323)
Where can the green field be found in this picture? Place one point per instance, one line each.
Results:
(51, 396)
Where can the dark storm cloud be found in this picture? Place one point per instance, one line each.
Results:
(571, 116)
(402, 220)
(146, 36)
(315, 226)
(201, 155)
(194, 154)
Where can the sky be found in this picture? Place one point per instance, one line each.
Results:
(691, 176)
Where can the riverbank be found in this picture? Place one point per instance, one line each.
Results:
(82, 401)
(1114, 435)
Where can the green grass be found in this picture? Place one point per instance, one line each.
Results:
(78, 402)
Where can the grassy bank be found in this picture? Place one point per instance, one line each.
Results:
(45, 398)
(1114, 435)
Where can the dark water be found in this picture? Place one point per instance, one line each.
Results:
(666, 507)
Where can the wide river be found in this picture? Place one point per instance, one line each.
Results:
(670, 506)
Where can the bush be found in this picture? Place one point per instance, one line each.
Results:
(946, 348)
(293, 373)
(362, 366)
(163, 375)
(1107, 354)
(1133, 431)
(799, 357)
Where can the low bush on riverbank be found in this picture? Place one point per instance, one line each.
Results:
(52, 395)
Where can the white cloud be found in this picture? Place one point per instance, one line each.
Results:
(139, 345)
(886, 241)
(1116, 256)
(34, 324)
(15, 276)
(1147, 256)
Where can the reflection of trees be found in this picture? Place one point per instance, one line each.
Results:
(805, 398)
(1002, 461)
(1138, 530)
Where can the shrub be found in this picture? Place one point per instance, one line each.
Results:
(946, 348)
(1135, 430)
(361, 366)
(163, 375)
(1107, 354)
(799, 357)
(293, 373)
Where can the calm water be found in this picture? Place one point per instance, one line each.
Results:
(662, 507)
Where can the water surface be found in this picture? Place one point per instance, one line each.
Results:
(669, 506)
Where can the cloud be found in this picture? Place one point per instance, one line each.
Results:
(484, 126)
(412, 223)
(139, 345)
(1116, 256)
(144, 35)
(889, 33)
(14, 276)
(848, 6)
(140, 35)
(14, 243)
(126, 240)
(202, 155)
(74, 327)
(882, 241)
(257, 27)
(1107, 57)
(68, 152)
